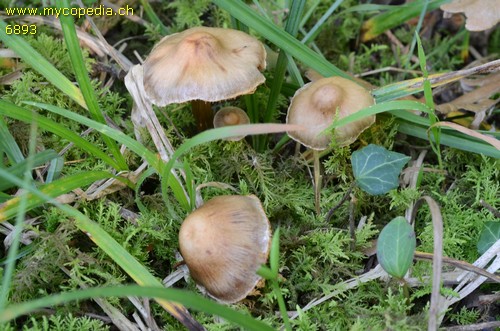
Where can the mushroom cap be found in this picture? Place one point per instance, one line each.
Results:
(209, 64)
(314, 106)
(224, 242)
(231, 116)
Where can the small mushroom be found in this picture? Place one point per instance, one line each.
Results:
(316, 105)
(231, 116)
(224, 242)
(203, 65)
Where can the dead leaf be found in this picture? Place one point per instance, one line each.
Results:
(481, 15)
(476, 101)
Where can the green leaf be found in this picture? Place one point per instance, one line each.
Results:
(396, 247)
(489, 236)
(376, 169)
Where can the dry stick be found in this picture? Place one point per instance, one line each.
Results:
(66, 148)
(352, 225)
(399, 44)
(119, 320)
(143, 112)
(317, 182)
(488, 299)
(486, 68)
(340, 203)
(437, 261)
(490, 261)
(459, 264)
(373, 274)
(124, 63)
(385, 69)
(474, 327)
(486, 205)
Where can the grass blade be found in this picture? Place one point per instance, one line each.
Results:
(394, 17)
(221, 133)
(122, 138)
(8, 144)
(190, 300)
(75, 53)
(30, 56)
(18, 225)
(35, 161)
(280, 38)
(27, 116)
(462, 142)
(114, 250)
(52, 190)
(291, 27)
(418, 126)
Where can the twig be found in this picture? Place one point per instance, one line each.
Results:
(472, 327)
(118, 319)
(385, 69)
(459, 264)
(399, 44)
(486, 68)
(486, 205)
(352, 225)
(340, 203)
(437, 260)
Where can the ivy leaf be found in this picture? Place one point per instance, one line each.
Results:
(489, 235)
(396, 247)
(376, 169)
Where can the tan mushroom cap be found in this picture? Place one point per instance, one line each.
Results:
(224, 242)
(231, 116)
(209, 64)
(315, 105)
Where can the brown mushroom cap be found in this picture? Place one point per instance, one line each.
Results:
(231, 116)
(315, 105)
(202, 63)
(224, 242)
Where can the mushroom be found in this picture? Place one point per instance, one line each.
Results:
(203, 65)
(224, 243)
(316, 105)
(231, 116)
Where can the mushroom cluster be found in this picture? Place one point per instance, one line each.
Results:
(224, 243)
(203, 65)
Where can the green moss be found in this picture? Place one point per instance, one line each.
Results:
(62, 323)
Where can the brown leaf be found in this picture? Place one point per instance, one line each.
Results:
(476, 101)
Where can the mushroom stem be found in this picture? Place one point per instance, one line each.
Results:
(317, 182)
(203, 115)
